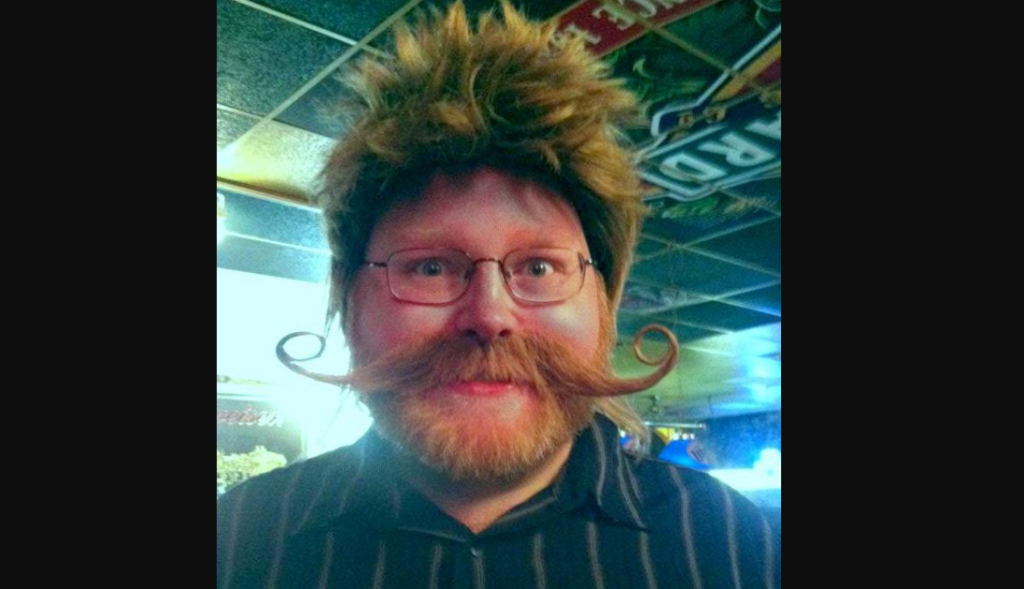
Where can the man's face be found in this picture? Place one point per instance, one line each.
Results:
(486, 213)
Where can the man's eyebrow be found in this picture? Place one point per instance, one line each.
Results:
(423, 239)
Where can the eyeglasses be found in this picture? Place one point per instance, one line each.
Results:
(436, 276)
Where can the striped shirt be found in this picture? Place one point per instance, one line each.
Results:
(612, 520)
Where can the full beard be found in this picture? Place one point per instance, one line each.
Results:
(484, 438)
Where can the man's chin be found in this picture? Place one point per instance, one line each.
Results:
(479, 436)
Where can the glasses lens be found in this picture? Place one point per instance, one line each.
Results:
(544, 275)
(431, 276)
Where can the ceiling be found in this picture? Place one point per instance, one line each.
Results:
(709, 263)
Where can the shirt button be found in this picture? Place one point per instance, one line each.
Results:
(475, 551)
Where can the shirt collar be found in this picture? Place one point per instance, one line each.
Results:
(359, 483)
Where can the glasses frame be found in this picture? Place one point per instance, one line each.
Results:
(505, 276)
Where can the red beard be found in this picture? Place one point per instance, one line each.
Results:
(486, 433)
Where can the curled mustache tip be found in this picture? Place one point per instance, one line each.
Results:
(291, 362)
(670, 358)
(664, 365)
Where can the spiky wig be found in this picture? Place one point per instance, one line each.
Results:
(507, 95)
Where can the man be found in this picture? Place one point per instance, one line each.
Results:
(482, 210)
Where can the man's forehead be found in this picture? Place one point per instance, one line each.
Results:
(485, 196)
(467, 178)
(444, 185)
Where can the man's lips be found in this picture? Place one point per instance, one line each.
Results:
(477, 388)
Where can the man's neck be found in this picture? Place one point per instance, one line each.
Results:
(477, 505)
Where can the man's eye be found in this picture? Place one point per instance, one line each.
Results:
(430, 268)
(539, 268)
